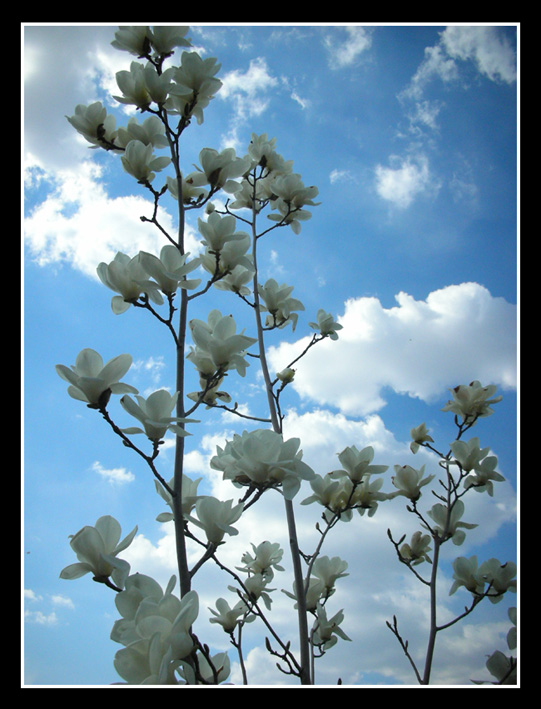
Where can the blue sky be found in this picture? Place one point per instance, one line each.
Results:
(410, 135)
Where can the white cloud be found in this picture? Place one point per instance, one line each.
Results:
(115, 476)
(68, 228)
(419, 348)
(488, 47)
(345, 53)
(404, 180)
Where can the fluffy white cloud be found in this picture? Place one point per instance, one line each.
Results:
(67, 226)
(488, 47)
(404, 180)
(344, 53)
(418, 347)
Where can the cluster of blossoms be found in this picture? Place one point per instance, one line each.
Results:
(278, 304)
(349, 488)
(147, 276)
(262, 459)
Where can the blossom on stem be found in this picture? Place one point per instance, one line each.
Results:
(467, 573)
(328, 570)
(326, 630)
(266, 557)
(218, 230)
(94, 124)
(326, 325)
(150, 132)
(97, 549)
(419, 435)
(501, 578)
(279, 305)
(409, 481)
(219, 341)
(189, 497)
(448, 522)
(483, 475)
(468, 454)
(170, 269)
(233, 255)
(139, 161)
(357, 463)
(416, 551)
(216, 517)
(165, 38)
(193, 191)
(256, 588)
(154, 413)
(127, 276)
(134, 39)
(92, 382)
(195, 86)
(221, 169)
(472, 401)
(228, 617)
(263, 459)
(262, 153)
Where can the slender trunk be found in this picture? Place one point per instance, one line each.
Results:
(290, 515)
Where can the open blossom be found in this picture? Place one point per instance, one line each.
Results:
(262, 152)
(419, 435)
(134, 39)
(416, 551)
(326, 325)
(262, 458)
(97, 549)
(483, 476)
(358, 463)
(501, 578)
(154, 413)
(170, 269)
(165, 38)
(409, 481)
(228, 617)
(218, 230)
(195, 85)
(219, 341)
(448, 523)
(139, 161)
(233, 255)
(126, 275)
(326, 630)
(189, 497)
(92, 382)
(94, 124)
(329, 570)
(216, 517)
(221, 169)
(278, 303)
(193, 190)
(472, 401)
(266, 557)
(150, 132)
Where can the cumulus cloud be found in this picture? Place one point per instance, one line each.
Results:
(404, 179)
(343, 53)
(419, 348)
(114, 476)
(487, 47)
(66, 227)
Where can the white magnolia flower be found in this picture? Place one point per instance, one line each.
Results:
(92, 382)
(170, 269)
(501, 578)
(472, 401)
(419, 435)
(139, 161)
(358, 463)
(483, 476)
(448, 523)
(409, 481)
(193, 190)
(150, 132)
(218, 230)
(221, 169)
(279, 305)
(233, 255)
(466, 573)
(94, 124)
(134, 39)
(228, 617)
(328, 570)
(219, 340)
(165, 38)
(326, 630)
(189, 497)
(216, 517)
(262, 152)
(416, 551)
(154, 413)
(326, 325)
(97, 549)
(127, 276)
(266, 557)
(264, 459)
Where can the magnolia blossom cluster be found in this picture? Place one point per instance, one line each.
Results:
(147, 276)
(278, 303)
(351, 487)
(491, 577)
(263, 459)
